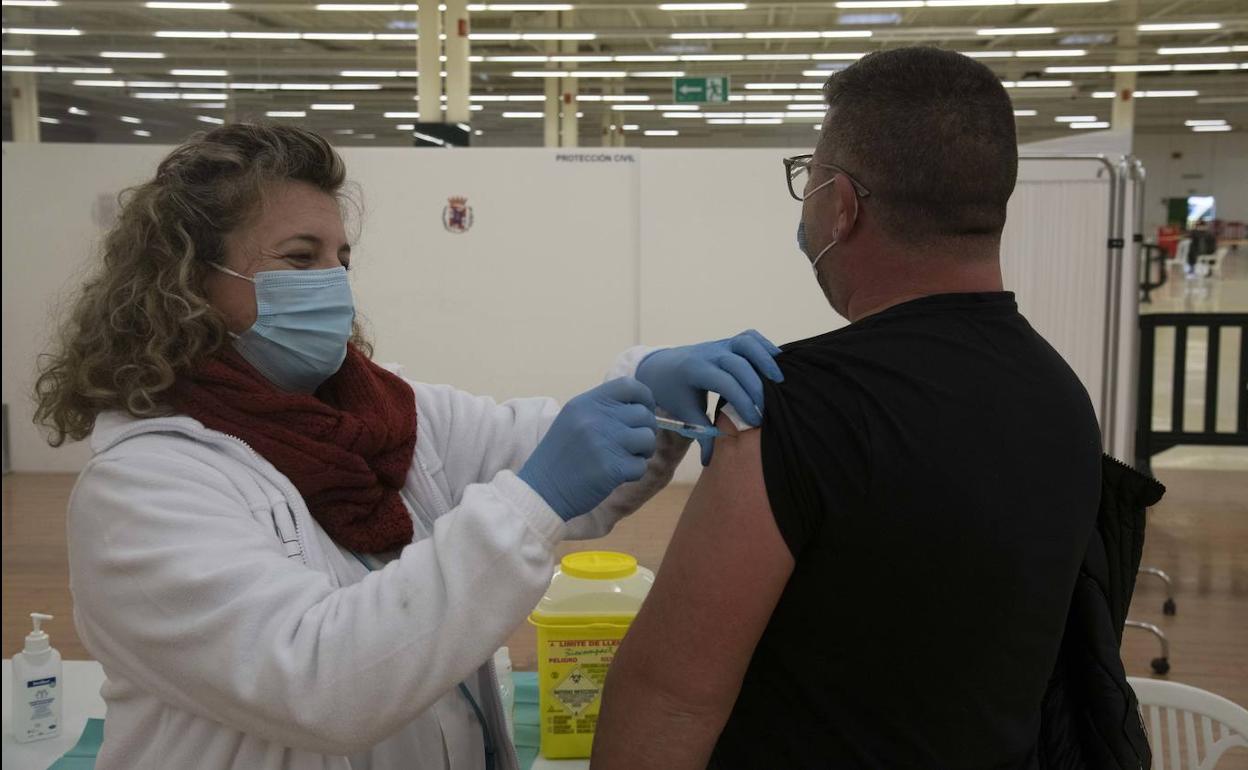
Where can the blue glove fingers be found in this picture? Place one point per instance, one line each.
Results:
(759, 355)
(708, 448)
(632, 468)
(636, 416)
(627, 390)
(716, 379)
(639, 442)
(767, 344)
(746, 377)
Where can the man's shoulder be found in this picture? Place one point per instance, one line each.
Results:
(837, 354)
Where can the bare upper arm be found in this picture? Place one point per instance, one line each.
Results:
(723, 573)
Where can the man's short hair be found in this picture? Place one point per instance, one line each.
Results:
(931, 134)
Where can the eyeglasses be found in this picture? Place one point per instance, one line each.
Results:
(797, 176)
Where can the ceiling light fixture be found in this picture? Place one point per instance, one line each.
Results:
(703, 6)
(264, 35)
(1055, 53)
(192, 34)
(1194, 49)
(1221, 66)
(992, 31)
(1197, 26)
(131, 55)
(181, 6)
(59, 32)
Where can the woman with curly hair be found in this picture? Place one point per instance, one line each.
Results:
(284, 555)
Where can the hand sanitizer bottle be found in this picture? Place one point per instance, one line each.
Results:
(36, 687)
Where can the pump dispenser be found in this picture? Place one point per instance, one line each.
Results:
(37, 686)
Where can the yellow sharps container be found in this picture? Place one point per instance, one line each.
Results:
(592, 600)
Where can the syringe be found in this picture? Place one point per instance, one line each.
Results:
(687, 429)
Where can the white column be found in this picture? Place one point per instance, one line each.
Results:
(24, 106)
(428, 62)
(550, 121)
(1123, 118)
(568, 130)
(458, 69)
(567, 123)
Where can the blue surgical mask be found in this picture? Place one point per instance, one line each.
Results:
(303, 323)
(801, 238)
(804, 245)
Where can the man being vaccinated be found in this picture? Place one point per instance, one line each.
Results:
(879, 576)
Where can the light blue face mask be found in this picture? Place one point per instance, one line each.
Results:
(303, 323)
(804, 245)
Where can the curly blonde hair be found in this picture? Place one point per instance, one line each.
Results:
(143, 319)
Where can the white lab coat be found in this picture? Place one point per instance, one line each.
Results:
(236, 634)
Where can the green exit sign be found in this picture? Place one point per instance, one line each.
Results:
(700, 90)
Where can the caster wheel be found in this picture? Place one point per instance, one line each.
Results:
(1161, 666)
(1169, 607)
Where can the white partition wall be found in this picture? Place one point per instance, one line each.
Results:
(1053, 257)
(569, 258)
(719, 249)
(533, 299)
(57, 198)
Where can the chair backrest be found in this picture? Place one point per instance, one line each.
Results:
(1183, 249)
(1222, 724)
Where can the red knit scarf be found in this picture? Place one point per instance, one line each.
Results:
(347, 449)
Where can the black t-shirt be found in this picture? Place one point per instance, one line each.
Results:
(935, 471)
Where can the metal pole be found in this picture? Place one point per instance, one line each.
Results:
(1117, 270)
(1139, 177)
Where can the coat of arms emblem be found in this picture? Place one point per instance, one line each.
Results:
(457, 216)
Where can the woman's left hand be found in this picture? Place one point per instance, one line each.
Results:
(681, 377)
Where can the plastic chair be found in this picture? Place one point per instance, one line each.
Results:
(1222, 724)
(1182, 250)
(1160, 665)
(1168, 606)
(1211, 264)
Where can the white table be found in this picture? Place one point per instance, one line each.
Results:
(81, 700)
(80, 694)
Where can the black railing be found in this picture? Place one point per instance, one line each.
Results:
(1154, 264)
(1148, 441)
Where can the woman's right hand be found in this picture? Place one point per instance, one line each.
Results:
(600, 440)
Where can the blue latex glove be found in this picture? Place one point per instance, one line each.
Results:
(680, 378)
(600, 440)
